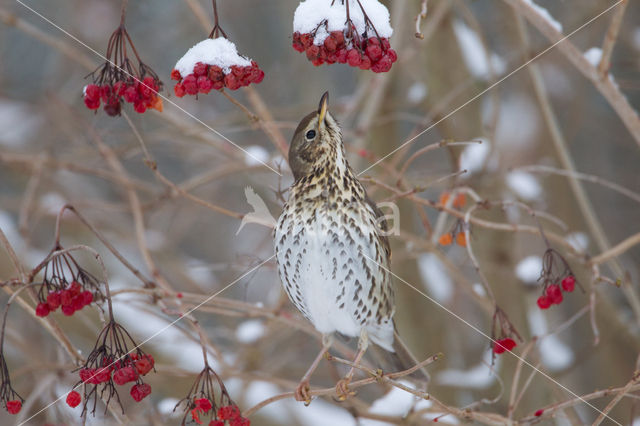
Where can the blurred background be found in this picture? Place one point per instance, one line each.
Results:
(555, 135)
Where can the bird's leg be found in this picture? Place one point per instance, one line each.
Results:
(342, 387)
(302, 391)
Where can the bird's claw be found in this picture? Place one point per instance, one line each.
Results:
(342, 389)
(302, 392)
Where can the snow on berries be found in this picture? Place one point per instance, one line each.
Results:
(211, 65)
(118, 80)
(557, 279)
(354, 32)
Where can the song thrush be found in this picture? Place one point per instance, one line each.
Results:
(331, 249)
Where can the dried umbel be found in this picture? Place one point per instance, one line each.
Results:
(503, 333)
(208, 399)
(115, 359)
(66, 285)
(10, 399)
(121, 79)
(354, 32)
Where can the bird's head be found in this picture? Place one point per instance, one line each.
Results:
(315, 142)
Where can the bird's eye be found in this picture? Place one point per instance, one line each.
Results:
(310, 134)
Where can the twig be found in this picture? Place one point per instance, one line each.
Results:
(422, 15)
(610, 39)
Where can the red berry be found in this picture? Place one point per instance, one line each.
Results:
(175, 75)
(112, 107)
(204, 84)
(338, 36)
(544, 302)
(216, 423)
(538, 413)
(257, 75)
(317, 62)
(77, 303)
(312, 52)
(341, 56)
(203, 404)
(87, 297)
(231, 81)
(124, 375)
(217, 85)
(504, 345)
(374, 52)
(392, 55)
(14, 406)
(42, 310)
(353, 57)
(241, 421)
(228, 412)
(75, 288)
(178, 89)
(215, 73)
(92, 92)
(144, 364)
(330, 44)
(306, 40)
(138, 392)
(73, 399)
(68, 310)
(86, 374)
(569, 283)
(554, 294)
(200, 69)
(102, 375)
(53, 300)
(383, 65)
(385, 44)
(190, 84)
(65, 297)
(365, 63)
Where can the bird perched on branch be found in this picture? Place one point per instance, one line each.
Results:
(332, 252)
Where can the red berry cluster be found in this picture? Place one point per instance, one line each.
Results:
(57, 292)
(504, 345)
(205, 77)
(10, 399)
(365, 53)
(71, 299)
(202, 401)
(110, 363)
(118, 80)
(552, 295)
(142, 94)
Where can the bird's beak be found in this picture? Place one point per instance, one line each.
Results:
(322, 107)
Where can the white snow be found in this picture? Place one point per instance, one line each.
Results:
(311, 13)
(218, 51)
(524, 184)
(579, 241)
(635, 38)
(155, 240)
(476, 377)
(417, 92)
(166, 406)
(555, 354)
(474, 156)
(593, 56)
(475, 55)
(545, 14)
(479, 289)
(518, 123)
(19, 123)
(435, 277)
(255, 155)
(250, 331)
(396, 402)
(528, 269)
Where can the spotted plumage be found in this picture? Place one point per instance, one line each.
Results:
(328, 236)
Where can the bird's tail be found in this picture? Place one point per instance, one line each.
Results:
(400, 360)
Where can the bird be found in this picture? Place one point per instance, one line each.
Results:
(332, 252)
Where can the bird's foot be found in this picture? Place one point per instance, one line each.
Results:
(342, 389)
(302, 392)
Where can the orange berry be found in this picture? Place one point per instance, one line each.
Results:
(445, 239)
(444, 197)
(460, 201)
(461, 239)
